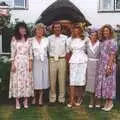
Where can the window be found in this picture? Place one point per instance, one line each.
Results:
(117, 5)
(17, 4)
(109, 5)
(20, 4)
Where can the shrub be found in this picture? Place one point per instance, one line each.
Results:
(4, 77)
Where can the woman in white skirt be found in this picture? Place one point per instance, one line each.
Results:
(40, 62)
(78, 65)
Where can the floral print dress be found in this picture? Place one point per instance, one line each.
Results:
(21, 83)
(106, 85)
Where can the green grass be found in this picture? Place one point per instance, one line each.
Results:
(58, 112)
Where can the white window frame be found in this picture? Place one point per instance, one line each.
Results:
(13, 6)
(21, 7)
(116, 9)
(100, 5)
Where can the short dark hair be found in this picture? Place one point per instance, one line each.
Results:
(16, 31)
(56, 23)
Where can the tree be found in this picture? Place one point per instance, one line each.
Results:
(4, 15)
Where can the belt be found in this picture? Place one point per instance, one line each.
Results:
(58, 57)
(93, 59)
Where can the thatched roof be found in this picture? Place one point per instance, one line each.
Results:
(61, 10)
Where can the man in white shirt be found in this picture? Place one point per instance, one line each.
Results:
(57, 61)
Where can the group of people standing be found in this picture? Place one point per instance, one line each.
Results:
(38, 62)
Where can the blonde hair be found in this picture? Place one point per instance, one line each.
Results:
(80, 29)
(40, 26)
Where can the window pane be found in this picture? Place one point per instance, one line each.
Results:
(117, 4)
(19, 3)
(108, 4)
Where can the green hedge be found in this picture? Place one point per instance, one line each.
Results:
(4, 77)
(7, 34)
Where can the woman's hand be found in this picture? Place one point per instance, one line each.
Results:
(30, 66)
(13, 69)
(109, 70)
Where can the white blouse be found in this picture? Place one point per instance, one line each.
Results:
(78, 49)
(40, 49)
(93, 47)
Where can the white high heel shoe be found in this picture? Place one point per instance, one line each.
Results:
(69, 105)
(109, 108)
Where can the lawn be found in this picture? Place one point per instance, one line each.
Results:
(58, 112)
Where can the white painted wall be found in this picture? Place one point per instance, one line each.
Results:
(88, 7)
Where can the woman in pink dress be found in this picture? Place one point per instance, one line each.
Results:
(21, 83)
(106, 80)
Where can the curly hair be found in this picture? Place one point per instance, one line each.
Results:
(102, 37)
(17, 33)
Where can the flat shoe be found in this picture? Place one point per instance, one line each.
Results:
(69, 105)
(90, 106)
(25, 106)
(97, 106)
(103, 108)
(17, 107)
(77, 104)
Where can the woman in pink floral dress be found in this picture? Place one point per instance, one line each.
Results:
(21, 83)
(106, 81)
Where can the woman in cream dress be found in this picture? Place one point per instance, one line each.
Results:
(21, 83)
(78, 65)
(40, 62)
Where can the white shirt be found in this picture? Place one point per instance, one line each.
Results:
(57, 45)
(40, 49)
(78, 49)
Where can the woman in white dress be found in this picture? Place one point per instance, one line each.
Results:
(40, 62)
(78, 65)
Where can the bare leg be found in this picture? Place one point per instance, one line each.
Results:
(72, 95)
(34, 98)
(92, 100)
(80, 91)
(40, 97)
(97, 103)
(108, 105)
(17, 103)
(110, 102)
(25, 102)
